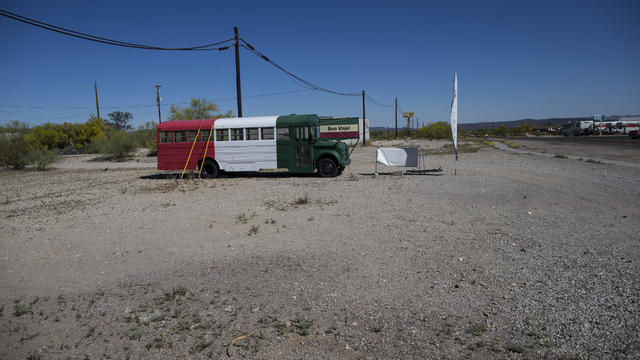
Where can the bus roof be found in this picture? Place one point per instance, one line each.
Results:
(253, 121)
(298, 120)
(186, 124)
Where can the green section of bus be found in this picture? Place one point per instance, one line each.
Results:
(299, 148)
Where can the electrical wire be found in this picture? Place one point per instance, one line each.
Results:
(44, 118)
(140, 106)
(103, 40)
(311, 85)
(377, 103)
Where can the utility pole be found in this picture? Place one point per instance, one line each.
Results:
(238, 90)
(158, 102)
(396, 116)
(364, 122)
(95, 87)
(408, 115)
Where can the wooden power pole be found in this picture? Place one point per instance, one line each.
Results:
(238, 90)
(158, 102)
(95, 88)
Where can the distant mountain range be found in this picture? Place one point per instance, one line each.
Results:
(514, 123)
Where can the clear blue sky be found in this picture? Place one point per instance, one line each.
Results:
(514, 59)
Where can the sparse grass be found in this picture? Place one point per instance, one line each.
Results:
(303, 200)
(183, 327)
(303, 325)
(353, 177)
(242, 219)
(19, 310)
(272, 204)
(478, 329)
(448, 149)
(560, 156)
(378, 327)
(270, 221)
(167, 204)
(275, 323)
(333, 331)
(254, 230)
(511, 144)
(594, 161)
(488, 142)
(135, 335)
(518, 349)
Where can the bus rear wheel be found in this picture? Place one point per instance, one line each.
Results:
(209, 168)
(328, 168)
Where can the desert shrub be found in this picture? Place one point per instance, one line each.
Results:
(116, 144)
(72, 138)
(42, 158)
(383, 135)
(14, 149)
(145, 136)
(438, 130)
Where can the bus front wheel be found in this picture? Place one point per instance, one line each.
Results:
(328, 168)
(209, 169)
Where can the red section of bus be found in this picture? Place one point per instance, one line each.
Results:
(173, 156)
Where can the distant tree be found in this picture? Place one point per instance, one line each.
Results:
(198, 109)
(119, 120)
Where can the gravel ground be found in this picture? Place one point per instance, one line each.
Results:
(518, 256)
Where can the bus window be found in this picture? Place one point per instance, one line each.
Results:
(302, 133)
(178, 136)
(283, 133)
(222, 135)
(252, 134)
(267, 133)
(205, 135)
(165, 136)
(236, 134)
(191, 135)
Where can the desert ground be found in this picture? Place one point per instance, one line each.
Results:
(518, 256)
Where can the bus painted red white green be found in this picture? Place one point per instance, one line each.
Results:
(287, 143)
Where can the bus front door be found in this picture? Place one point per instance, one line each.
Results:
(303, 149)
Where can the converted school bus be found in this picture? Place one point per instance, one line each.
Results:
(293, 143)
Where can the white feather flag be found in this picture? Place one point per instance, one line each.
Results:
(454, 115)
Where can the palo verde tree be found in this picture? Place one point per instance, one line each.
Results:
(198, 109)
(119, 120)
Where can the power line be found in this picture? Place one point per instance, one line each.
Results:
(44, 118)
(103, 40)
(377, 103)
(311, 85)
(141, 106)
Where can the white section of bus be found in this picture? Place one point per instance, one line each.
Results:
(245, 155)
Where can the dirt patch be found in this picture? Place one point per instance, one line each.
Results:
(518, 256)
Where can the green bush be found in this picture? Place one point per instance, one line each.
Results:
(42, 158)
(72, 138)
(145, 136)
(14, 149)
(116, 144)
(438, 130)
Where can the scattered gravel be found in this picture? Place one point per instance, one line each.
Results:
(518, 256)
